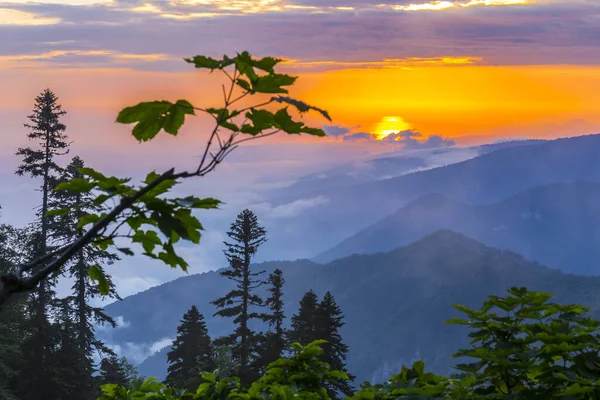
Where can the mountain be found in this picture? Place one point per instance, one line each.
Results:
(557, 225)
(395, 303)
(488, 148)
(388, 166)
(485, 179)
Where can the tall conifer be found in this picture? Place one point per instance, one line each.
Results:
(47, 130)
(241, 303)
(72, 369)
(191, 353)
(12, 317)
(304, 323)
(115, 370)
(275, 338)
(65, 230)
(329, 319)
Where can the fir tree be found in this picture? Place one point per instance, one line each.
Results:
(274, 342)
(37, 378)
(65, 230)
(48, 131)
(304, 323)
(12, 317)
(71, 366)
(247, 236)
(329, 319)
(115, 370)
(191, 353)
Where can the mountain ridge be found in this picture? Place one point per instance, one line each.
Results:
(485, 179)
(395, 303)
(529, 223)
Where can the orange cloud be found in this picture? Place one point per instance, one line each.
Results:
(407, 63)
(52, 58)
(444, 5)
(16, 17)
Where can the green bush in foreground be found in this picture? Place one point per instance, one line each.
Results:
(523, 348)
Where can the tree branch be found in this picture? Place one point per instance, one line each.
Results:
(14, 283)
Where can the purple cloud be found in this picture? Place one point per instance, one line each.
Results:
(545, 33)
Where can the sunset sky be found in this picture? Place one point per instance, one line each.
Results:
(457, 72)
(458, 69)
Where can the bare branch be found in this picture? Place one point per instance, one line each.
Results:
(32, 264)
(256, 137)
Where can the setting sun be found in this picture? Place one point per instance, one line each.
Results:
(389, 125)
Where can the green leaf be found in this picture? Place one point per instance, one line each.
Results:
(126, 250)
(146, 130)
(261, 120)
(153, 116)
(272, 83)
(204, 62)
(59, 212)
(284, 121)
(144, 111)
(300, 106)
(76, 185)
(148, 239)
(313, 131)
(151, 177)
(244, 84)
(88, 219)
(194, 202)
(97, 274)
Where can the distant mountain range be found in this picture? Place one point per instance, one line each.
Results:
(557, 225)
(395, 303)
(486, 179)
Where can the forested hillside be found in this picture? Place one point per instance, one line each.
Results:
(395, 303)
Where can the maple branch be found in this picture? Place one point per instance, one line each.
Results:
(15, 283)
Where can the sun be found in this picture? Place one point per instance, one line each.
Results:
(389, 125)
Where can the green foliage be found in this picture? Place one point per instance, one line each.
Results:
(89, 212)
(301, 376)
(157, 223)
(144, 214)
(151, 117)
(225, 366)
(96, 273)
(115, 371)
(523, 346)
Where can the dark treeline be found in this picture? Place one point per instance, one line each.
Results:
(49, 349)
(250, 352)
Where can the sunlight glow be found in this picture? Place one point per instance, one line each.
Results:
(244, 6)
(408, 63)
(70, 2)
(15, 17)
(42, 60)
(444, 5)
(147, 8)
(389, 125)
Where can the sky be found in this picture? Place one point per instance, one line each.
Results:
(442, 73)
